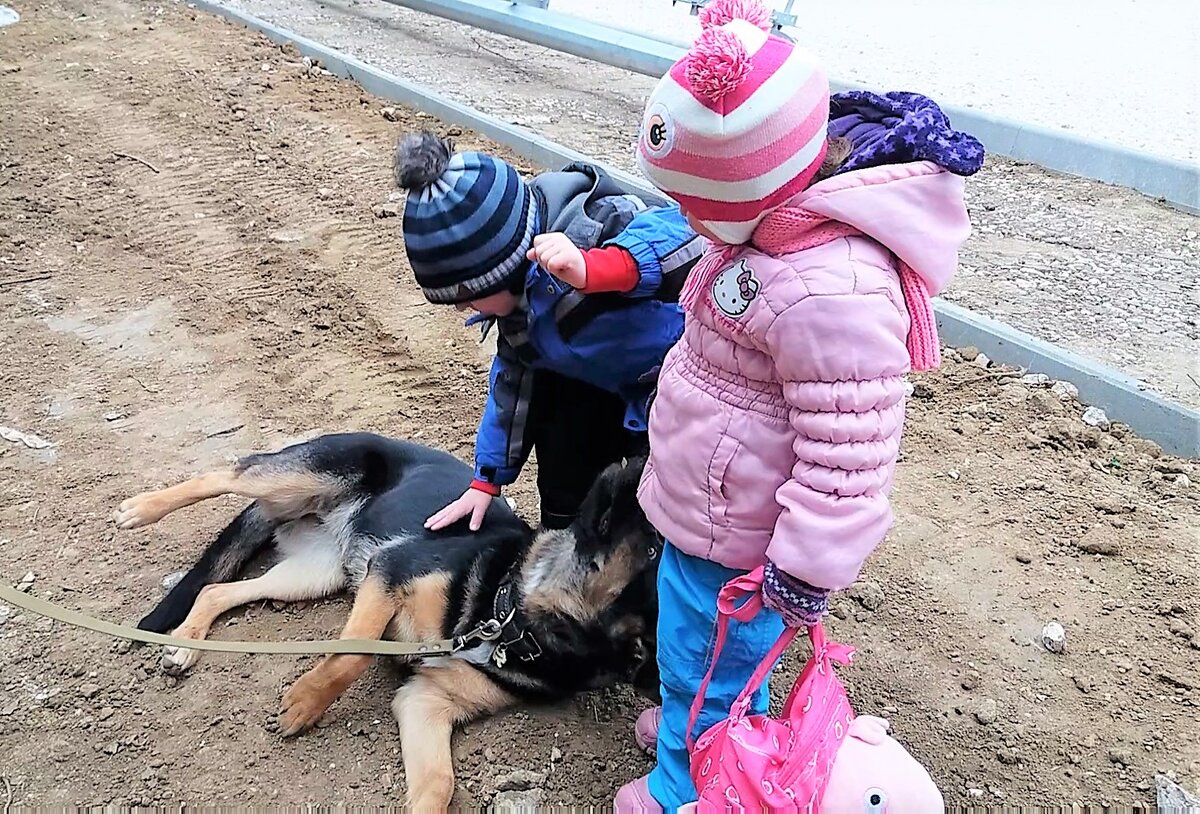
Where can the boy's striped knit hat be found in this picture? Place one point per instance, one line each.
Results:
(737, 127)
(468, 222)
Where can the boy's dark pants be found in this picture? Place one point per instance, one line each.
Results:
(577, 430)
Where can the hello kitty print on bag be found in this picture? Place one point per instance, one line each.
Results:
(817, 756)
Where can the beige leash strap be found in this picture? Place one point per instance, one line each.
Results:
(374, 647)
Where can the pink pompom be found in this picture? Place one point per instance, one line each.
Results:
(717, 64)
(719, 12)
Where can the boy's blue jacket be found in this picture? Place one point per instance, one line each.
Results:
(614, 341)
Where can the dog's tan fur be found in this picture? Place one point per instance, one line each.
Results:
(288, 493)
(427, 708)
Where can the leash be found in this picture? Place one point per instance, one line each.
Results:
(487, 631)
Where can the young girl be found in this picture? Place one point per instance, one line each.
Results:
(776, 427)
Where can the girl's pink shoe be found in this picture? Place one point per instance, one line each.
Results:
(635, 798)
(645, 731)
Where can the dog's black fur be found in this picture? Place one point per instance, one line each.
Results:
(348, 510)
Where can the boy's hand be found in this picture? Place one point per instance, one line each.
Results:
(473, 502)
(558, 255)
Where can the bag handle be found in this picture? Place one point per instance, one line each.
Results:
(748, 585)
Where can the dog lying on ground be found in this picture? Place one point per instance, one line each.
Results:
(572, 610)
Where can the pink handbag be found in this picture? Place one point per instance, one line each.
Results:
(756, 762)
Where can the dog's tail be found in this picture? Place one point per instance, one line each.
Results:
(236, 545)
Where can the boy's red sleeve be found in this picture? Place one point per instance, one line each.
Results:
(610, 269)
(483, 486)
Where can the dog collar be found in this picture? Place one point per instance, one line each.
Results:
(515, 640)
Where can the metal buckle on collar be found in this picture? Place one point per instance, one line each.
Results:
(487, 631)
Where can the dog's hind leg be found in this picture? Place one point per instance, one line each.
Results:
(306, 701)
(427, 708)
(310, 572)
(283, 483)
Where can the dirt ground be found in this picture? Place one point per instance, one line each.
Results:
(199, 258)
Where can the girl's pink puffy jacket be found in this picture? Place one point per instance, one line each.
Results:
(778, 418)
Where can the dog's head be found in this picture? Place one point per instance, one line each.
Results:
(581, 571)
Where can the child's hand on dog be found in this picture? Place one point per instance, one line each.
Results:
(558, 255)
(473, 502)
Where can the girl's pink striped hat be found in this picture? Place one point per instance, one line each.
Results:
(737, 127)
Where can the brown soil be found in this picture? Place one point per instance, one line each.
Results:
(243, 291)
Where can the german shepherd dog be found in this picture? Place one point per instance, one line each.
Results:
(568, 610)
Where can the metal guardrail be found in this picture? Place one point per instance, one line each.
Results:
(1175, 427)
(1176, 182)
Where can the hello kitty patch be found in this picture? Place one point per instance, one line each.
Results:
(734, 289)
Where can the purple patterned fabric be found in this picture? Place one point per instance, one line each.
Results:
(800, 604)
(899, 127)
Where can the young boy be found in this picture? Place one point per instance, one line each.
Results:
(581, 281)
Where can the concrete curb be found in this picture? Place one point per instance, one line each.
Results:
(1175, 427)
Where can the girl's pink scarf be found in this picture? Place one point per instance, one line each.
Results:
(792, 229)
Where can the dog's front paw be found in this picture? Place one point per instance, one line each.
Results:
(140, 510)
(178, 660)
(302, 706)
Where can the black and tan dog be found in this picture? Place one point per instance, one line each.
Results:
(560, 612)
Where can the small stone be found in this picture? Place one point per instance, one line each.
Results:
(922, 391)
(324, 193)
(512, 801)
(520, 780)
(969, 353)
(105, 713)
(1024, 557)
(1120, 755)
(982, 361)
(556, 755)
(1100, 540)
(909, 388)
(1008, 756)
(386, 780)
(1173, 466)
(985, 712)
(390, 114)
(1054, 637)
(26, 583)
(112, 748)
(387, 210)
(89, 690)
(975, 794)
(1095, 417)
(171, 580)
(113, 416)
(1065, 390)
(1083, 684)
(1035, 380)
(867, 594)
(1180, 628)
(1182, 481)
(970, 681)
(1173, 797)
